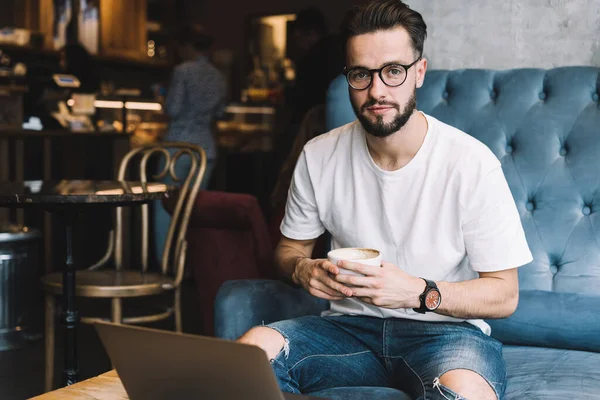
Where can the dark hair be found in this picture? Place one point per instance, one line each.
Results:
(311, 19)
(80, 63)
(381, 15)
(195, 36)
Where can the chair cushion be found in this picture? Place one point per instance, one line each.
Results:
(536, 373)
(533, 373)
(361, 393)
(551, 319)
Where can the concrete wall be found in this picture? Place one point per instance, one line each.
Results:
(501, 34)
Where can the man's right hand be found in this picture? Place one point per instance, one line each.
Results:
(315, 277)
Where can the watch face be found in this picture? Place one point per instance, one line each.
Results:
(432, 300)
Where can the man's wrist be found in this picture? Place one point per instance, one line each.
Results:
(420, 286)
(297, 262)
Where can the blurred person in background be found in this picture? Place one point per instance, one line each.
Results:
(319, 58)
(195, 98)
(312, 126)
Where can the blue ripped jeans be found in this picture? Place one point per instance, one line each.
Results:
(342, 351)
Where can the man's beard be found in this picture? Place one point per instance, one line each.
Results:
(381, 129)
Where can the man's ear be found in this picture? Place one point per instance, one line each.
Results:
(421, 68)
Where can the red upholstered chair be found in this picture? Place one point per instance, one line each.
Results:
(321, 247)
(227, 239)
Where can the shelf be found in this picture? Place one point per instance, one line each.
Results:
(28, 50)
(134, 61)
(141, 62)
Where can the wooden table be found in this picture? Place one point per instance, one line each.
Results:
(107, 386)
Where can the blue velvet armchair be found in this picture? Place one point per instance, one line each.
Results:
(544, 126)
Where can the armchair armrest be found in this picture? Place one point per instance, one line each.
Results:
(243, 304)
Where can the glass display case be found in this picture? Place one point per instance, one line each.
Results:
(247, 127)
(142, 118)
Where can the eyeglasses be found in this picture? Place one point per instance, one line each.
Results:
(393, 75)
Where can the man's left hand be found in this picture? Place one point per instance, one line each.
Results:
(387, 287)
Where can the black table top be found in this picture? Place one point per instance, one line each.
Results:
(64, 192)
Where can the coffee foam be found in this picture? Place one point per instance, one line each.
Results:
(354, 254)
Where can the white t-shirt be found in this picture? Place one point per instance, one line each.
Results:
(444, 216)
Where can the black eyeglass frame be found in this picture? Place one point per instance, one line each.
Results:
(347, 71)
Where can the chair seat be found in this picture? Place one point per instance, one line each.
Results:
(361, 393)
(111, 283)
(537, 373)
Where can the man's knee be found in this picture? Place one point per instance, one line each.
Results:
(468, 384)
(271, 341)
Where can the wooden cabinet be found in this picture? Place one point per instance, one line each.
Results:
(123, 30)
(27, 14)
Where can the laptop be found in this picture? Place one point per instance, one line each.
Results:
(157, 365)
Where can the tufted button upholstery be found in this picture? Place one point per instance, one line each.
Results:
(493, 94)
(595, 97)
(586, 210)
(445, 95)
(554, 269)
(539, 178)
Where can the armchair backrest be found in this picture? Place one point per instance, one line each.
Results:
(544, 126)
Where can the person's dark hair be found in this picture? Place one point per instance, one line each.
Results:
(382, 15)
(311, 19)
(78, 58)
(80, 63)
(195, 36)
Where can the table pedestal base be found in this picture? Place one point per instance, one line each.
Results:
(70, 315)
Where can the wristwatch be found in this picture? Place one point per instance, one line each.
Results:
(430, 298)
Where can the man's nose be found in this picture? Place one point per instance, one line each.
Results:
(378, 89)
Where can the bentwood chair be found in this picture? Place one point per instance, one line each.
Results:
(123, 281)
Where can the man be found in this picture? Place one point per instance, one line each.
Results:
(436, 204)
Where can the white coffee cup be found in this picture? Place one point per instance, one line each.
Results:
(359, 255)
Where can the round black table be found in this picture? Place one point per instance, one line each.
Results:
(66, 198)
